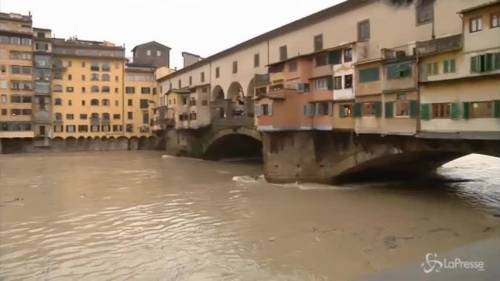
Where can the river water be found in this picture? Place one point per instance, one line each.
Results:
(141, 216)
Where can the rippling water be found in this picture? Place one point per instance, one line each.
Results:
(123, 215)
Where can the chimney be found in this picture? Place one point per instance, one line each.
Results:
(190, 59)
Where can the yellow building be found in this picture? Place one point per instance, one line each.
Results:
(88, 89)
(16, 70)
(141, 97)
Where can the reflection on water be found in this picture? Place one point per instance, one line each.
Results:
(122, 215)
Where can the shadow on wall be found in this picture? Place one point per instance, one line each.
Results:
(234, 146)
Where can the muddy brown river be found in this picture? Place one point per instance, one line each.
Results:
(141, 216)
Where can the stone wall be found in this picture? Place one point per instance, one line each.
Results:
(74, 145)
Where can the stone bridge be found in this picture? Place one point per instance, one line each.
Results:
(325, 156)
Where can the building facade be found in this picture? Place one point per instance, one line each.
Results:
(16, 70)
(381, 70)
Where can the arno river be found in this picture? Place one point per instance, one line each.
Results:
(136, 215)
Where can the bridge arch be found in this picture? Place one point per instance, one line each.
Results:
(233, 143)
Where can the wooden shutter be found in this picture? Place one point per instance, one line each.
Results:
(455, 111)
(378, 109)
(270, 109)
(489, 62)
(413, 109)
(446, 66)
(425, 111)
(335, 57)
(358, 110)
(389, 109)
(466, 110)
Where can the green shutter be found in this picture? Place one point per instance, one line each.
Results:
(369, 74)
(425, 111)
(413, 109)
(358, 110)
(335, 57)
(489, 62)
(389, 109)
(497, 108)
(474, 64)
(496, 61)
(392, 71)
(329, 81)
(378, 109)
(452, 66)
(455, 111)
(466, 110)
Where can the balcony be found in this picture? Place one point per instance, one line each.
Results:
(440, 45)
(227, 114)
(41, 117)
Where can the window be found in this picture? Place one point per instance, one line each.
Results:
(283, 53)
(337, 82)
(4, 111)
(217, 72)
(83, 102)
(117, 128)
(321, 84)
(347, 55)
(321, 59)
(256, 60)
(70, 89)
(58, 116)
(70, 128)
(58, 128)
(130, 90)
(441, 110)
(495, 20)
(70, 116)
(105, 77)
(83, 116)
(83, 77)
(83, 64)
(348, 81)
(3, 99)
(266, 110)
(105, 89)
(83, 128)
(70, 103)
(345, 110)
(481, 109)
(117, 103)
(318, 42)
(432, 68)
(146, 90)
(322, 109)
(179, 83)
(83, 89)
(364, 30)
(130, 102)
(190, 80)
(158, 53)
(70, 77)
(116, 116)
(485, 63)
(148, 53)
(335, 57)
(449, 66)
(105, 102)
(130, 115)
(369, 75)
(425, 11)
(292, 66)
(401, 106)
(94, 102)
(94, 67)
(57, 101)
(235, 67)
(369, 109)
(144, 104)
(95, 77)
(202, 77)
(105, 67)
(398, 70)
(476, 24)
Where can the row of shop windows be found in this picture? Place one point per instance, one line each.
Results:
(87, 128)
(15, 99)
(93, 89)
(465, 110)
(16, 112)
(144, 90)
(15, 127)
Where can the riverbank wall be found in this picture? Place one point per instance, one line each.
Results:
(10, 146)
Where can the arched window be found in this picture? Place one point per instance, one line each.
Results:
(58, 101)
(105, 116)
(95, 89)
(57, 88)
(105, 89)
(94, 116)
(105, 102)
(94, 102)
(58, 116)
